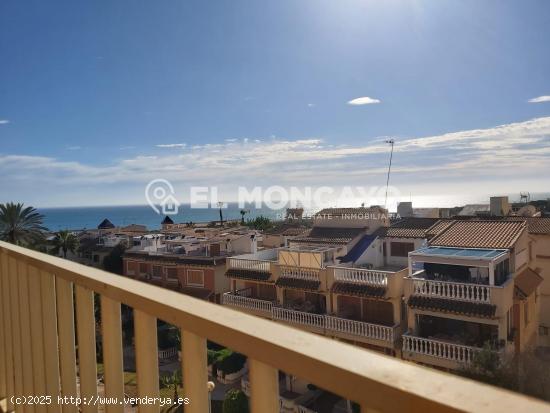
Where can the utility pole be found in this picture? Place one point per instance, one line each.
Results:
(391, 142)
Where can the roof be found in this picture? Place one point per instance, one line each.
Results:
(356, 289)
(452, 306)
(176, 258)
(438, 227)
(105, 224)
(330, 235)
(349, 211)
(359, 248)
(298, 283)
(473, 209)
(527, 281)
(167, 220)
(478, 253)
(480, 234)
(538, 226)
(410, 228)
(248, 274)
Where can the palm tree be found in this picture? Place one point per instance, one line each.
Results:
(21, 225)
(243, 212)
(65, 241)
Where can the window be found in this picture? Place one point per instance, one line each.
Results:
(142, 268)
(157, 271)
(195, 277)
(171, 273)
(401, 249)
(130, 267)
(544, 331)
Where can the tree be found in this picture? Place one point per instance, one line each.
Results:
(260, 223)
(235, 402)
(21, 225)
(113, 262)
(243, 213)
(65, 241)
(174, 380)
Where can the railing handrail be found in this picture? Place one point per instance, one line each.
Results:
(454, 282)
(379, 382)
(361, 275)
(413, 337)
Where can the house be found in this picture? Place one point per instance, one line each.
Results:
(473, 285)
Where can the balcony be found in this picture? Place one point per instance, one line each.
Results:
(253, 305)
(436, 352)
(309, 321)
(362, 331)
(38, 357)
(390, 281)
(500, 297)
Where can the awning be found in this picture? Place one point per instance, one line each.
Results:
(527, 281)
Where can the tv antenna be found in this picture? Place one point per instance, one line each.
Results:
(391, 142)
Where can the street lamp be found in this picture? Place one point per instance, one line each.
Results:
(210, 386)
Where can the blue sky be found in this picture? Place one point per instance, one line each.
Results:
(97, 98)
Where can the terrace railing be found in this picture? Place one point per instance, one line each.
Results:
(475, 293)
(361, 276)
(440, 349)
(41, 294)
(249, 264)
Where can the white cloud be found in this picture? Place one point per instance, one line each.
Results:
(540, 99)
(519, 151)
(74, 148)
(171, 145)
(311, 105)
(4, 121)
(365, 100)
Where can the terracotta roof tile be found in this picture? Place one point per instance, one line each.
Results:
(248, 274)
(538, 225)
(452, 306)
(480, 234)
(360, 290)
(298, 284)
(410, 228)
(330, 235)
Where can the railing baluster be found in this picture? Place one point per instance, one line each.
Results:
(112, 353)
(49, 327)
(65, 328)
(145, 327)
(25, 319)
(8, 373)
(264, 387)
(87, 363)
(37, 335)
(195, 372)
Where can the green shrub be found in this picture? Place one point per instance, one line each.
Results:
(235, 402)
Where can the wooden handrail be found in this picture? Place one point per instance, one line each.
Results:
(375, 381)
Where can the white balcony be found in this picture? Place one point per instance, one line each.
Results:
(249, 264)
(361, 329)
(475, 293)
(453, 355)
(361, 276)
(308, 320)
(247, 303)
(302, 273)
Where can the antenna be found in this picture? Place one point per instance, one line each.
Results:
(391, 142)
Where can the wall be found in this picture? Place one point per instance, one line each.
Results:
(539, 253)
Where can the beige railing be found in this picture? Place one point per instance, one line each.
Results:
(249, 264)
(37, 348)
(440, 349)
(475, 293)
(299, 317)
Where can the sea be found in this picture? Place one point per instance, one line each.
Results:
(78, 218)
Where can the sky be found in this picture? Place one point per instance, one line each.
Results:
(97, 98)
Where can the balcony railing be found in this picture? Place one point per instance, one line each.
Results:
(361, 276)
(301, 273)
(299, 317)
(248, 303)
(439, 349)
(249, 264)
(38, 357)
(475, 293)
(360, 328)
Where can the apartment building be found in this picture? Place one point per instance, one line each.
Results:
(473, 285)
(343, 279)
(192, 264)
